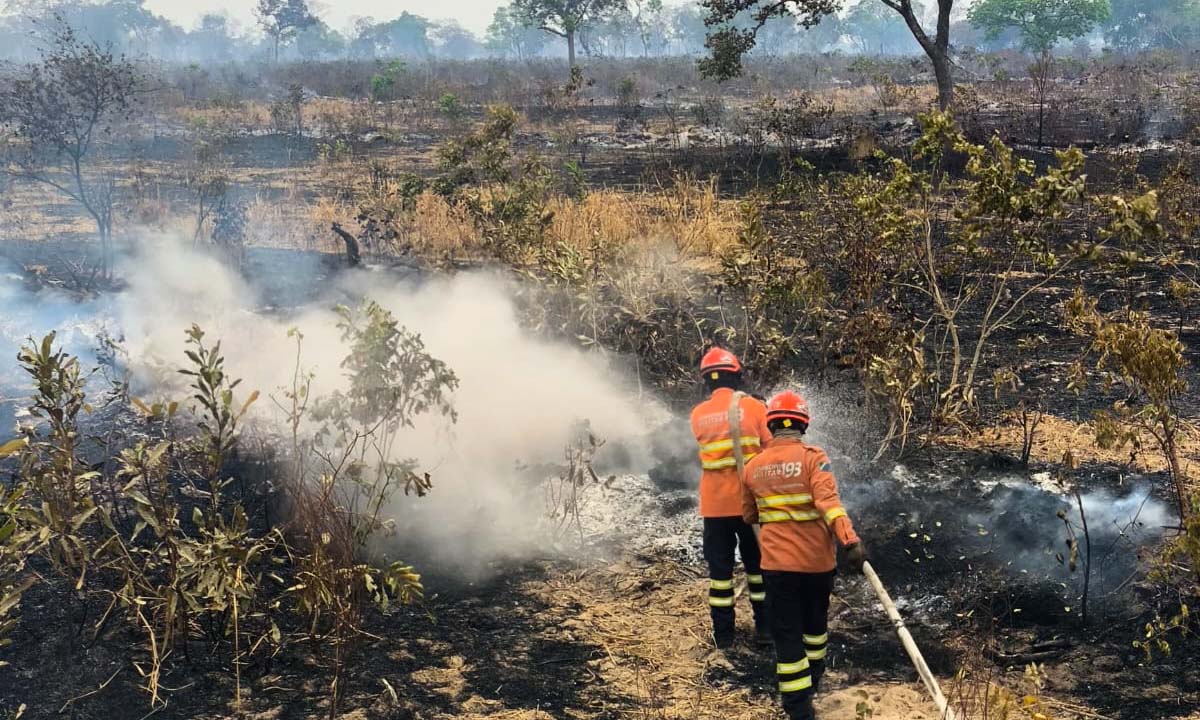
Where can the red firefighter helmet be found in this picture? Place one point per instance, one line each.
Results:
(720, 360)
(788, 405)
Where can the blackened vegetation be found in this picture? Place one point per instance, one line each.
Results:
(978, 558)
(486, 646)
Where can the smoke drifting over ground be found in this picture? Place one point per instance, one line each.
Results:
(519, 402)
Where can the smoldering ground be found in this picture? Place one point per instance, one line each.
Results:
(520, 402)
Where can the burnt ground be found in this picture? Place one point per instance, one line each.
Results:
(617, 638)
(625, 637)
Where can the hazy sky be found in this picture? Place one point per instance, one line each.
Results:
(473, 14)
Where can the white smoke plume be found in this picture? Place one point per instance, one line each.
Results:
(519, 401)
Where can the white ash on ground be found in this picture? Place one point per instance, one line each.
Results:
(629, 512)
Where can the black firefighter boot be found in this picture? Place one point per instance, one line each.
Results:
(818, 672)
(762, 629)
(758, 601)
(724, 625)
(801, 708)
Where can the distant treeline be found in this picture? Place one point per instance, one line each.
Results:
(287, 30)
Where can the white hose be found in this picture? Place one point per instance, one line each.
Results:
(910, 645)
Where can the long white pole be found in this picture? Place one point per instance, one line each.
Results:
(910, 645)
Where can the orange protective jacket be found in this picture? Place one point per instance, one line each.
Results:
(720, 487)
(790, 490)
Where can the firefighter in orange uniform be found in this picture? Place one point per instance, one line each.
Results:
(790, 492)
(721, 442)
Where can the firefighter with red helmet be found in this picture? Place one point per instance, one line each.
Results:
(790, 493)
(731, 429)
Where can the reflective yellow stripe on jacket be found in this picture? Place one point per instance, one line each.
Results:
(718, 455)
(772, 516)
(787, 508)
(834, 514)
(721, 445)
(777, 501)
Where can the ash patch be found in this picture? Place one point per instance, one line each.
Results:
(630, 512)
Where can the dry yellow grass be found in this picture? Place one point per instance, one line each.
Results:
(688, 217)
(437, 227)
(687, 221)
(289, 222)
(1057, 436)
(251, 115)
(331, 115)
(911, 99)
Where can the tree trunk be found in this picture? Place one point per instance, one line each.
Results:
(571, 50)
(1043, 80)
(944, 74)
(937, 47)
(104, 230)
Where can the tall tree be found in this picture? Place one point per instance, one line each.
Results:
(319, 41)
(564, 18)
(647, 17)
(407, 35)
(728, 44)
(212, 39)
(685, 29)
(454, 41)
(609, 36)
(282, 20)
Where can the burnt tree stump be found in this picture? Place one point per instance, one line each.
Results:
(353, 254)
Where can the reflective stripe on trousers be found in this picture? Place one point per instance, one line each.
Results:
(815, 646)
(720, 593)
(758, 590)
(794, 675)
(798, 610)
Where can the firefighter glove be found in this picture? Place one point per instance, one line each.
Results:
(857, 555)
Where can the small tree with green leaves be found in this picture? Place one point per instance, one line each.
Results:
(1041, 24)
(180, 571)
(63, 114)
(217, 413)
(392, 381)
(505, 195)
(1147, 362)
(344, 478)
(61, 483)
(383, 83)
(960, 243)
(450, 106)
